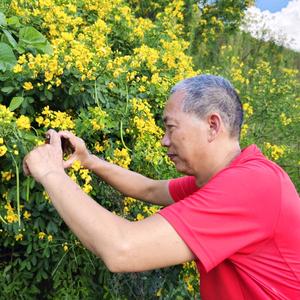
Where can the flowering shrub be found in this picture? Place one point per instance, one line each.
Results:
(103, 70)
(271, 103)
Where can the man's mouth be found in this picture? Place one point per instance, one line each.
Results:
(171, 155)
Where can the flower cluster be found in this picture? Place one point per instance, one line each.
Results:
(54, 119)
(23, 122)
(275, 151)
(148, 133)
(11, 215)
(81, 176)
(121, 158)
(6, 116)
(3, 148)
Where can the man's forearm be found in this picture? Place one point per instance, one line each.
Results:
(97, 228)
(127, 182)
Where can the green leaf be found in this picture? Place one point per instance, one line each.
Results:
(7, 57)
(15, 103)
(4, 77)
(31, 38)
(29, 249)
(2, 19)
(33, 260)
(28, 265)
(29, 35)
(49, 95)
(20, 49)
(7, 89)
(46, 49)
(29, 137)
(10, 38)
(13, 21)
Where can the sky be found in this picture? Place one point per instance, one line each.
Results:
(271, 5)
(276, 20)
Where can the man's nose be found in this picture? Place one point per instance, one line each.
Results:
(165, 141)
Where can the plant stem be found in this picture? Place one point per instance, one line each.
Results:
(3, 220)
(18, 189)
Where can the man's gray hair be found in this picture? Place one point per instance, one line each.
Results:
(205, 94)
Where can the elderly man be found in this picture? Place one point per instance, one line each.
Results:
(235, 212)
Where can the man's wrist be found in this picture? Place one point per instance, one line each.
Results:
(92, 162)
(46, 177)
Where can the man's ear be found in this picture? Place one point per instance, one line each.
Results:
(214, 123)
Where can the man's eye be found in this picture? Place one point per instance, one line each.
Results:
(169, 126)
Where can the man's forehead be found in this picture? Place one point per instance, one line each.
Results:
(173, 106)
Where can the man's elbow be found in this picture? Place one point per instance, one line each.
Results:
(117, 260)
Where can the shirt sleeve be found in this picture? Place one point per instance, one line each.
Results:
(182, 187)
(234, 212)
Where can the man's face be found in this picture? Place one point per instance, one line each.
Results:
(186, 136)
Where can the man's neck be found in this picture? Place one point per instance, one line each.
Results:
(223, 156)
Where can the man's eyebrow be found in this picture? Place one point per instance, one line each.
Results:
(168, 119)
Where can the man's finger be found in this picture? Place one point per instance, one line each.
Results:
(25, 167)
(69, 136)
(54, 138)
(68, 163)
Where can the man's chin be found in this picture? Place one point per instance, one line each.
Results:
(183, 169)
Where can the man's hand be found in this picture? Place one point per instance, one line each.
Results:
(45, 159)
(80, 151)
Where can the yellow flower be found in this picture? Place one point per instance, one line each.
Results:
(7, 175)
(142, 89)
(23, 122)
(39, 120)
(65, 247)
(158, 293)
(46, 111)
(87, 188)
(1, 141)
(42, 235)
(96, 126)
(3, 150)
(244, 130)
(40, 142)
(11, 218)
(248, 109)
(27, 215)
(111, 85)
(98, 147)
(58, 82)
(140, 217)
(275, 151)
(22, 59)
(73, 177)
(76, 165)
(121, 158)
(27, 86)
(46, 196)
(84, 174)
(190, 287)
(285, 120)
(19, 237)
(17, 68)
(50, 238)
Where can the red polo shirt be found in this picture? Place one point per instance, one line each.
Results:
(243, 226)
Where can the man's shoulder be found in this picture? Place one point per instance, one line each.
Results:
(253, 164)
